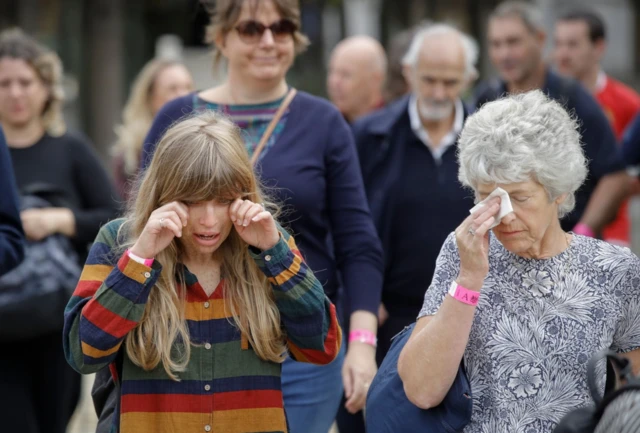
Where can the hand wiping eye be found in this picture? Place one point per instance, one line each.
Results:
(505, 205)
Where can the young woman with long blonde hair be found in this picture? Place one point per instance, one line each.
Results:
(195, 298)
(157, 83)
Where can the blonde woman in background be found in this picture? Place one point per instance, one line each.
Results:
(159, 81)
(195, 298)
(38, 390)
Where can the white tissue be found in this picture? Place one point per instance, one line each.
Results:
(505, 205)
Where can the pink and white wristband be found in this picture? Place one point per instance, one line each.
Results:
(363, 336)
(464, 295)
(146, 262)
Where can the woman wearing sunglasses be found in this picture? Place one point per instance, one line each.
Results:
(303, 149)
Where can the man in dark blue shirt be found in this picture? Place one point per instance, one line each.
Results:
(408, 159)
(516, 41)
(11, 234)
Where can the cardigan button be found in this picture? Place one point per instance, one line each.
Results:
(147, 275)
(207, 428)
(206, 304)
(267, 258)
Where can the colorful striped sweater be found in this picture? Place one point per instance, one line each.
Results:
(226, 387)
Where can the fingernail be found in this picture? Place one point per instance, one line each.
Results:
(246, 223)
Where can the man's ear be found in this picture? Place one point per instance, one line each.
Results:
(469, 80)
(600, 47)
(541, 37)
(409, 73)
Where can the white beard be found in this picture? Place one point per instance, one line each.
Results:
(435, 110)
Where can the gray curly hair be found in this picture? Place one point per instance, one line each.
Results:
(520, 138)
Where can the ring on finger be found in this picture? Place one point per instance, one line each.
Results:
(161, 222)
(471, 231)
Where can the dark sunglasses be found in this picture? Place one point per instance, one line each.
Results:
(251, 31)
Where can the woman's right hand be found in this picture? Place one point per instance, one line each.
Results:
(472, 238)
(164, 224)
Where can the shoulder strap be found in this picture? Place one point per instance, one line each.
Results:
(272, 125)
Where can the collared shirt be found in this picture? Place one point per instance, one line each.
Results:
(437, 150)
(225, 387)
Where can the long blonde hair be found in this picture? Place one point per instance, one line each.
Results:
(16, 44)
(200, 158)
(137, 115)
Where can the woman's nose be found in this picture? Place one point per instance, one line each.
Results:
(209, 217)
(508, 218)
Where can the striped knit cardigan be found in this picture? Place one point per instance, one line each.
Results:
(226, 387)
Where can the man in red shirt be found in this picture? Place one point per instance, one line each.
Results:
(580, 44)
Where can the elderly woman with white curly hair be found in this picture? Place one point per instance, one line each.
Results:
(523, 303)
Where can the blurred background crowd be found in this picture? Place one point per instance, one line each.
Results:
(123, 60)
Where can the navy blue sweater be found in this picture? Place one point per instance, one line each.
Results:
(415, 201)
(312, 169)
(599, 141)
(11, 234)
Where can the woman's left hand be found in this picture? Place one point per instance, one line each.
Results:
(358, 371)
(254, 224)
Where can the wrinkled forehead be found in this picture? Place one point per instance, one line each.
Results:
(443, 55)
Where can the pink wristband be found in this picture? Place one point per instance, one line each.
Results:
(464, 295)
(584, 230)
(363, 336)
(146, 262)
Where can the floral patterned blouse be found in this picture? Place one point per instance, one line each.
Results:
(537, 324)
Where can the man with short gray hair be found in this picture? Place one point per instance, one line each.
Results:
(408, 159)
(516, 39)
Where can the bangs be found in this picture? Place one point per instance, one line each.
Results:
(206, 174)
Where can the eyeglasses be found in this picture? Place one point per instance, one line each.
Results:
(251, 31)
